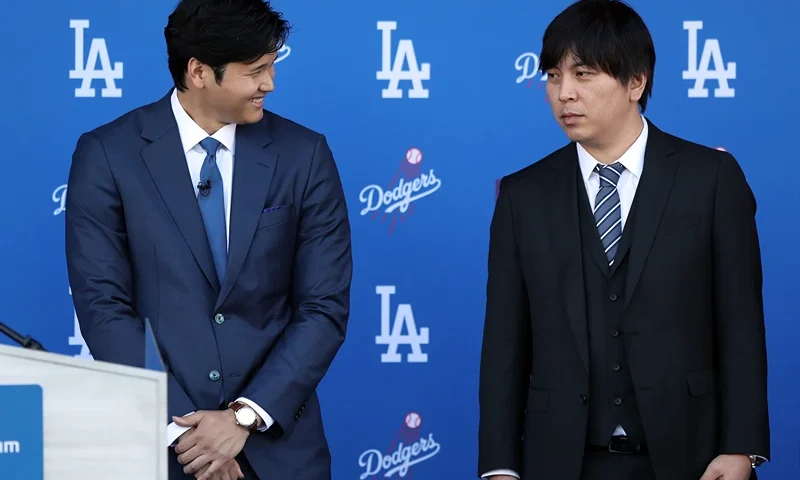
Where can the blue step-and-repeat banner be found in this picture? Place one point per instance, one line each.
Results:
(441, 91)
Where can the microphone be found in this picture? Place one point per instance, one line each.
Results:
(204, 189)
(26, 341)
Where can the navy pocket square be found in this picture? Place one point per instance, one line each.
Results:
(269, 209)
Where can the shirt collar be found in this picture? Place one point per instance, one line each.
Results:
(191, 133)
(632, 159)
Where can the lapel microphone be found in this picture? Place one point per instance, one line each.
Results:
(204, 189)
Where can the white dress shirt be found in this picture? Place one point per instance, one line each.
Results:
(191, 134)
(633, 161)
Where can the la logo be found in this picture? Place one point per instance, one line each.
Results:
(394, 72)
(77, 338)
(392, 331)
(88, 71)
(700, 73)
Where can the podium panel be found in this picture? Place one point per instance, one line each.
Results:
(97, 420)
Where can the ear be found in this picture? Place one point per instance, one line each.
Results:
(636, 87)
(196, 72)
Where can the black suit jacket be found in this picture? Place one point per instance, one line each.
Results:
(693, 325)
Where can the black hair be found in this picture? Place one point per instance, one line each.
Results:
(219, 32)
(604, 34)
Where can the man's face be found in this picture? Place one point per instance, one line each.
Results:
(239, 98)
(589, 105)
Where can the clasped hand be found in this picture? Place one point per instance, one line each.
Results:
(208, 449)
(728, 467)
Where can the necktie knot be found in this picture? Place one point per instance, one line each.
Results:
(210, 145)
(609, 174)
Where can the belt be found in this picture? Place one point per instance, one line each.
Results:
(621, 445)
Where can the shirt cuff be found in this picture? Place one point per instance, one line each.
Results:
(174, 431)
(500, 472)
(266, 419)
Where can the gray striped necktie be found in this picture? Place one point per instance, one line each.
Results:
(607, 214)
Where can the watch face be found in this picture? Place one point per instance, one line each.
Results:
(246, 416)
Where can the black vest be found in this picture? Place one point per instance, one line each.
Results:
(612, 399)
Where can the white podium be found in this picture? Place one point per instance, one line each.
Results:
(101, 421)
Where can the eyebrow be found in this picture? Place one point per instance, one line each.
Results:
(259, 67)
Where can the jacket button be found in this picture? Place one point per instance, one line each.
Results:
(615, 333)
(213, 375)
(613, 297)
(219, 318)
(584, 399)
(618, 401)
(615, 367)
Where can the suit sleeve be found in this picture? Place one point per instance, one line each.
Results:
(320, 297)
(739, 315)
(99, 269)
(505, 354)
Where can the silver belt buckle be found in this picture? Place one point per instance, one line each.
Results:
(611, 449)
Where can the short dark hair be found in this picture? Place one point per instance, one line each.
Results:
(604, 34)
(221, 32)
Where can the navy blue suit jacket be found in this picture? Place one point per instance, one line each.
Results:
(136, 248)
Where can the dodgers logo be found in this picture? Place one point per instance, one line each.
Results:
(527, 65)
(394, 72)
(21, 436)
(87, 71)
(76, 339)
(700, 72)
(408, 449)
(283, 53)
(60, 199)
(392, 331)
(408, 185)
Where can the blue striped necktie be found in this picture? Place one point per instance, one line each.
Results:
(607, 214)
(212, 207)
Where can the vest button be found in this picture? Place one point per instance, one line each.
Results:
(213, 375)
(613, 297)
(584, 399)
(618, 401)
(615, 367)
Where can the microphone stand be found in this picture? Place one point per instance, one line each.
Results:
(26, 341)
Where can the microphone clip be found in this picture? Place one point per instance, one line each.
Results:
(204, 189)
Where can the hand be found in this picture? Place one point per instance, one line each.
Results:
(229, 471)
(214, 439)
(728, 467)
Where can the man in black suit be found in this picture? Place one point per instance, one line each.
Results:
(624, 334)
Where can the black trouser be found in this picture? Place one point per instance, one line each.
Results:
(603, 465)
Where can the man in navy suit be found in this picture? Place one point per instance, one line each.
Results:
(226, 226)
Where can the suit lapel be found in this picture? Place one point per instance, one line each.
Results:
(562, 200)
(649, 202)
(166, 162)
(253, 169)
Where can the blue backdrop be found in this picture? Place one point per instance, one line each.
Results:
(476, 114)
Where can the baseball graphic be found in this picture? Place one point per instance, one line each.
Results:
(414, 156)
(413, 420)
